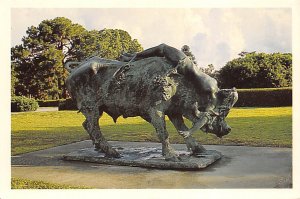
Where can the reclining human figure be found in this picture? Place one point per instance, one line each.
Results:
(184, 66)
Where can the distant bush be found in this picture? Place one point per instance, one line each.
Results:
(21, 104)
(257, 70)
(48, 103)
(264, 97)
(67, 104)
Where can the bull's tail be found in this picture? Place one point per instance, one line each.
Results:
(67, 65)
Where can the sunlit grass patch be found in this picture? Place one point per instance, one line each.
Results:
(17, 183)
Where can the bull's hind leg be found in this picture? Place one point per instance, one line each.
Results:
(85, 126)
(191, 143)
(157, 119)
(91, 125)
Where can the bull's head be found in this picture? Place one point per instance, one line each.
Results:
(217, 125)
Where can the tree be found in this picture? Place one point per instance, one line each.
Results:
(38, 61)
(40, 57)
(107, 43)
(209, 70)
(13, 80)
(257, 70)
(114, 42)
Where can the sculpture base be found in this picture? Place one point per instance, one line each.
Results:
(146, 157)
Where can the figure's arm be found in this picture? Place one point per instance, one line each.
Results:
(203, 119)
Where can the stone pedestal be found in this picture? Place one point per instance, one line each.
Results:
(146, 157)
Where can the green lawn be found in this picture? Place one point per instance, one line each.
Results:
(250, 126)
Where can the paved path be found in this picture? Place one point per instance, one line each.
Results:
(241, 167)
(45, 109)
(39, 109)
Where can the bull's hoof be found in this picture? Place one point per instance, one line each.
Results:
(173, 158)
(108, 150)
(98, 149)
(198, 152)
(112, 153)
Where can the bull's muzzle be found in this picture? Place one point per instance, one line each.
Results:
(223, 131)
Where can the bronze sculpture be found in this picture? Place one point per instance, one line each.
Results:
(152, 84)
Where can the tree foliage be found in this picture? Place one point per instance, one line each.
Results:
(210, 70)
(257, 70)
(37, 63)
(13, 80)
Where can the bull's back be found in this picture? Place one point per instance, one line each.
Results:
(134, 88)
(131, 88)
(84, 81)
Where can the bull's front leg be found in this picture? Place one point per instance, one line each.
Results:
(91, 125)
(157, 119)
(191, 143)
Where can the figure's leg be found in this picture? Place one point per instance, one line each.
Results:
(129, 54)
(91, 125)
(157, 119)
(126, 57)
(162, 50)
(191, 143)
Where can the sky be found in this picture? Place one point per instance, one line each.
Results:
(215, 35)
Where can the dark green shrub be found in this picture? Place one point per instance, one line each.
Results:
(67, 104)
(257, 70)
(48, 103)
(264, 97)
(21, 104)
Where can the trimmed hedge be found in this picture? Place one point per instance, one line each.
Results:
(21, 104)
(264, 97)
(257, 97)
(48, 103)
(67, 104)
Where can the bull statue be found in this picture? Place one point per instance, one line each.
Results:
(152, 84)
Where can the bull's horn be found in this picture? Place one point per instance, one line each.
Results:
(235, 97)
(67, 65)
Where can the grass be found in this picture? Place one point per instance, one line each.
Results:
(250, 126)
(18, 183)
